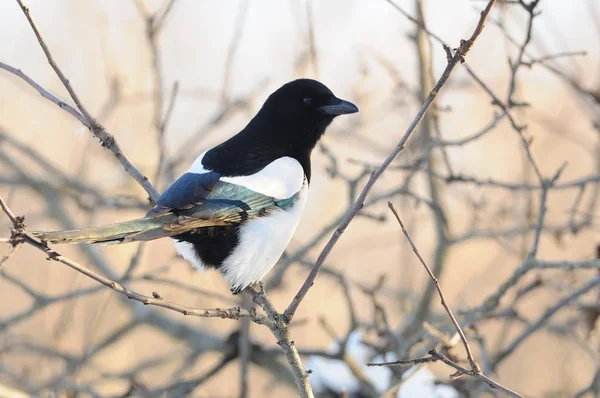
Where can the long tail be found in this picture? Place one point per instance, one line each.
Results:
(141, 229)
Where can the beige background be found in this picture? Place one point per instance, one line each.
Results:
(95, 41)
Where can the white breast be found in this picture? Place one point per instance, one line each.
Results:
(280, 179)
(262, 242)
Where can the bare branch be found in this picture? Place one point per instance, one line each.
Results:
(106, 139)
(459, 56)
(20, 235)
(46, 94)
(474, 366)
(435, 356)
(279, 328)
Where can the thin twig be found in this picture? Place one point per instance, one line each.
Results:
(435, 356)
(474, 365)
(415, 361)
(11, 252)
(46, 94)
(160, 20)
(17, 223)
(162, 153)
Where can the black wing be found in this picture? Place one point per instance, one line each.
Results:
(202, 200)
(187, 191)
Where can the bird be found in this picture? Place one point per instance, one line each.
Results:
(238, 206)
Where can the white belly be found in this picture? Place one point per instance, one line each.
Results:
(262, 242)
(187, 251)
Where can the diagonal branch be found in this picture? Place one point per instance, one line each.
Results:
(20, 236)
(474, 366)
(458, 57)
(107, 140)
(46, 94)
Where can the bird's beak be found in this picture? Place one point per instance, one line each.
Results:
(339, 107)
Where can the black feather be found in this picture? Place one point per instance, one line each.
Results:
(187, 191)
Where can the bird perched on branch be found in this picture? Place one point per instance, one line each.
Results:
(238, 205)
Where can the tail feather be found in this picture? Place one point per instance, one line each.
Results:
(141, 229)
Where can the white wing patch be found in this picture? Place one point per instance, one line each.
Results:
(281, 179)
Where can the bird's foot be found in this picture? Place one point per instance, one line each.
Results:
(236, 290)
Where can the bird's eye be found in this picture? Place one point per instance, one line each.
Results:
(307, 100)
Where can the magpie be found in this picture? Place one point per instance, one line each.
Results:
(238, 205)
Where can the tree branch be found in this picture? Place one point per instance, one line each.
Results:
(20, 235)
(279, 328)
(459, 57)
(106, 139)
(474, 366)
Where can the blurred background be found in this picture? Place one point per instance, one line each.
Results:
(169, 79)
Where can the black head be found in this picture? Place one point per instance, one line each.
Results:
(309, 101)
(302, 110)
(290, 123)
